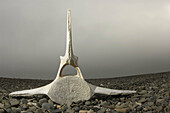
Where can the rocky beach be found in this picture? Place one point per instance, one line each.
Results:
(153, 96)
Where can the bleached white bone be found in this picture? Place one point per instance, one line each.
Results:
(72, 88)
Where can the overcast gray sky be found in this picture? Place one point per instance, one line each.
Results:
(111, 37)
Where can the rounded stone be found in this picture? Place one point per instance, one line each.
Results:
(47, 106)
(70, 89)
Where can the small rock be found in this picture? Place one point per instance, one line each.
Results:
(105, 104)
(43, 100)
(90, 111)
(101, 111)
(58, 106)
(83, 111)
(32, 108)
(150, 103)
(15, 110)
(143, 92)
(47, 106)
(1, 105)
(123, 110)
(87, 103)
(153, 99)
(24, 112)
(31, 104)
(142, 100)
(160, 100)
(39, 111)
(24, 101)
(95, 109)
(76, 108)
(50, 101)
(14, 102)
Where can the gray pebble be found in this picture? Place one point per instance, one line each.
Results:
(43, 100)
(14, 102)
(47, 106)
(24, 101)
(76, 108)
(87, 103)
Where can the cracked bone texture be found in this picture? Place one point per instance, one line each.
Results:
(70, 89)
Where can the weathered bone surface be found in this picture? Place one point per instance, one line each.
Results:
(72, 88)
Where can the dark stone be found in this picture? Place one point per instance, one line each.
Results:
(24, 101)
(153, 99)
(56, 111)
(95, 109)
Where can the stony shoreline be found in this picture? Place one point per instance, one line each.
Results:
(153, 96)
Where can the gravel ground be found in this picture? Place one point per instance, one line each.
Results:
(153, 96)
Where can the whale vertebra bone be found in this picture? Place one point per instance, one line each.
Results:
(72, 88)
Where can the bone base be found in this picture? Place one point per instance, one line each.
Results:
(70, 89)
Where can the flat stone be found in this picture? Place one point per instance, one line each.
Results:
(87, 103)
(24, 112)
(123, 110)
(142, 100)
(14, 102)
(83, 111)
(47, 106)
(143, 92)
(150, 103)
(160, 100)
